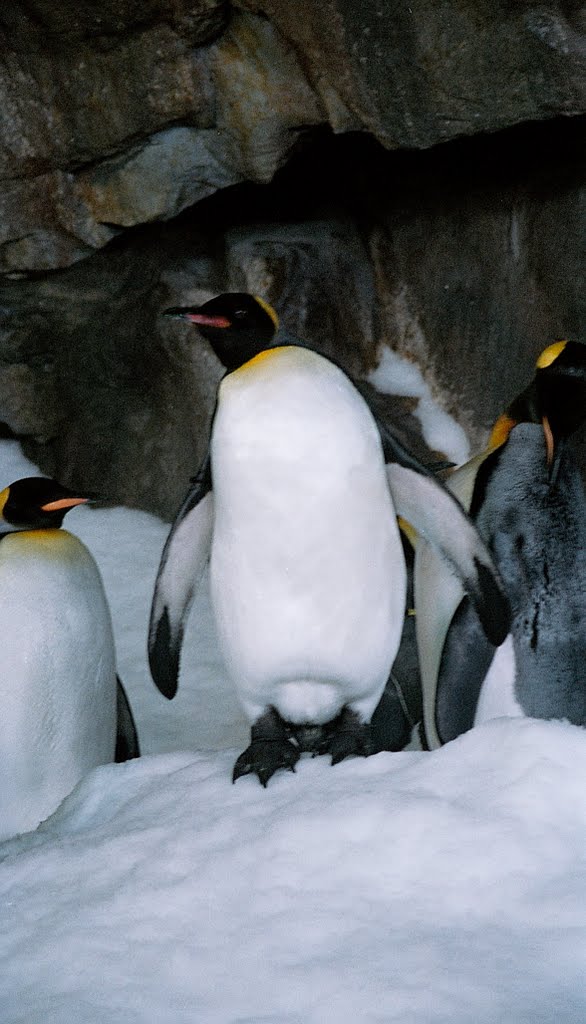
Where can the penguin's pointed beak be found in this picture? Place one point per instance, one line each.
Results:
(549, 441)
(194, 317)
(63, 503)
(554, 449)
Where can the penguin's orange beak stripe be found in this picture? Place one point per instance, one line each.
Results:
(203, 320)
(55, 506)
(549, 441)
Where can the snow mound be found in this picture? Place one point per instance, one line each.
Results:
(411, 887)
(396, 375)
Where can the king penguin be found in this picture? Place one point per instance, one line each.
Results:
(62, 709)
(526, 495)
(296, 506)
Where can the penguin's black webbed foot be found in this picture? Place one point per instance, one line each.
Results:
(270, 749)
(264, 757)
(348, 737)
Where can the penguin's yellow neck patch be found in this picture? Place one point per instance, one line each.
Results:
(409, 531)
(268, 310)
(501, 430)
(48, 537)
(47, 544)
(550, 354)
(260, 357)
(3, 499)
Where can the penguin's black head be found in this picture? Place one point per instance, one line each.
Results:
(560, 382)
(36, 503)
(237, 325)
(556, 397)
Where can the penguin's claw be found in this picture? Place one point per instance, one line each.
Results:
(264, 757)
(270, 749)
(346, 744)
(348, 737)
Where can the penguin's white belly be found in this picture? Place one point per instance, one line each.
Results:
(58, 676)
(307, 571)
(497, 696)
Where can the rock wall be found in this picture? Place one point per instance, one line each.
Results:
(157, 153)
(118, 113)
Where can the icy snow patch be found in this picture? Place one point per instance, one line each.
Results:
(408, 888)
(395, 375)
(415, 888)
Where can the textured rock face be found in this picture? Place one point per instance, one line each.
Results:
(419, 73)
(468, 260)
(103, 392)
(80, 83)
(107, 403)
(119, 113)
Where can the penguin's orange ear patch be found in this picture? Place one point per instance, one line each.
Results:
(550, 354)
(56, 506)
(268, 310)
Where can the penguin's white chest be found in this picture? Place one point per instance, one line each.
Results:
(58, 682)
(307, 571)
(497, 697)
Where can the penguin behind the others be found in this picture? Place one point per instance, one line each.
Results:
(62, 709)
(297, 509)
(526, 495)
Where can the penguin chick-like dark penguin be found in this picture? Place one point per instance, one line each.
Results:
(308, 577)
(62, 709)
(526, 495)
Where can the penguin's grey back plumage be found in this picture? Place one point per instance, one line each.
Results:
(537, 532)
(534, 522)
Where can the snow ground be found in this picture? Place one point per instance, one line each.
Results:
(418, 888)
(396, 375)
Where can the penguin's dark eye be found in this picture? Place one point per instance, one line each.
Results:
(240, 314)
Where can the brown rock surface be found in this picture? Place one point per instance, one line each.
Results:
(468, 259)
(418, 73)
(121, 114)
(118, 113)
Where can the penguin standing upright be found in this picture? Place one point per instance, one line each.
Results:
(308, 577)
(62, 709)
(526, 495)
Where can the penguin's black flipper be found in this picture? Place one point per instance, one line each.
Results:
(426, 504)
(127, 745)
(465, 661)
(396, 452)
(182, 563)
(390, 728)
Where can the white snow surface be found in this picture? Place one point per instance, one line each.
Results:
(396, 375)
(415, 887)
